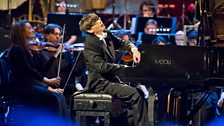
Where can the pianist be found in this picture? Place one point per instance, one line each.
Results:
(103, 72)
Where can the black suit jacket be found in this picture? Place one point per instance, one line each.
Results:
(100, 59)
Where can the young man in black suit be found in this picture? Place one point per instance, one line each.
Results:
(103, 73)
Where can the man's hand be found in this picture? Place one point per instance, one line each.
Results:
(136, 55)
(221, 100)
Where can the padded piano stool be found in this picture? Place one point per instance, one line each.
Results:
(92, 104)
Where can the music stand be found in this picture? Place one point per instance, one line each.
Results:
(163, 23)
(71, 20)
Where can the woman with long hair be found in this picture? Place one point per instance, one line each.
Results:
(27, 82)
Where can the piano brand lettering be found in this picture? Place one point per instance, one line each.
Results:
(163, 61)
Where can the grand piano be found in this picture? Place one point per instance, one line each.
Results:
(186, 67)
(183, 68)
(177, 65)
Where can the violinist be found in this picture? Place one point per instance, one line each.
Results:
(27, 82)
(52, 34)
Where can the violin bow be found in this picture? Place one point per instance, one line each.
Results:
(73, 67)
(60, 57)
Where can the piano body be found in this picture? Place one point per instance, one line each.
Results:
(177, 64)
(184, 68)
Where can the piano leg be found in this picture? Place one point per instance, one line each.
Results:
(197, 107)
(173, 106)
(151, 99)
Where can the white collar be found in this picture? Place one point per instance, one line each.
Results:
(103, 36)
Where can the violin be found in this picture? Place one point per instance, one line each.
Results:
(37, 46)
(74, 47)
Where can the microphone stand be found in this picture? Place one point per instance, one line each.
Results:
(125, 15)
(9, 15)
(113, 9)
(114, 20)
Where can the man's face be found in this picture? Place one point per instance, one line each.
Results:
(98, 27)
(62, 8)
(150, 29)
(179, 39)
(54, 37)
(147, 11)
(192, 42)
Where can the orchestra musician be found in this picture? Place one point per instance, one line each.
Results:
(179, 38)
(52, 34)
(27, 83)
(147, 9)
(151, 29)
(103, 73)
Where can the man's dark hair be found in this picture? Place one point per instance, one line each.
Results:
(50, 28)
(88, 21)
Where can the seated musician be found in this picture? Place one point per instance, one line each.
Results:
(192, 38)
(52, 33)
(179, 38)
(103, 73)
(147, 9)
(32, 87)
(151, 29)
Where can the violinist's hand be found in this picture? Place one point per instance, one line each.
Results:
(136, 55)
(54, 82)
(221, 100)
(59, 50)
(57, 90)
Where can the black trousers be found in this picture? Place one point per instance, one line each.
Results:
(137, 106)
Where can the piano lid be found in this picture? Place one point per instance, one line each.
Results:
(174, 63)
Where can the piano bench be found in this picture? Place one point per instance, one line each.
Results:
(92, 104)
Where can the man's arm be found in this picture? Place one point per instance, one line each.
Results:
(95, 59)
(128, 45)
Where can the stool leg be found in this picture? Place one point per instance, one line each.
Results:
(78, 119)
(107, 119)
